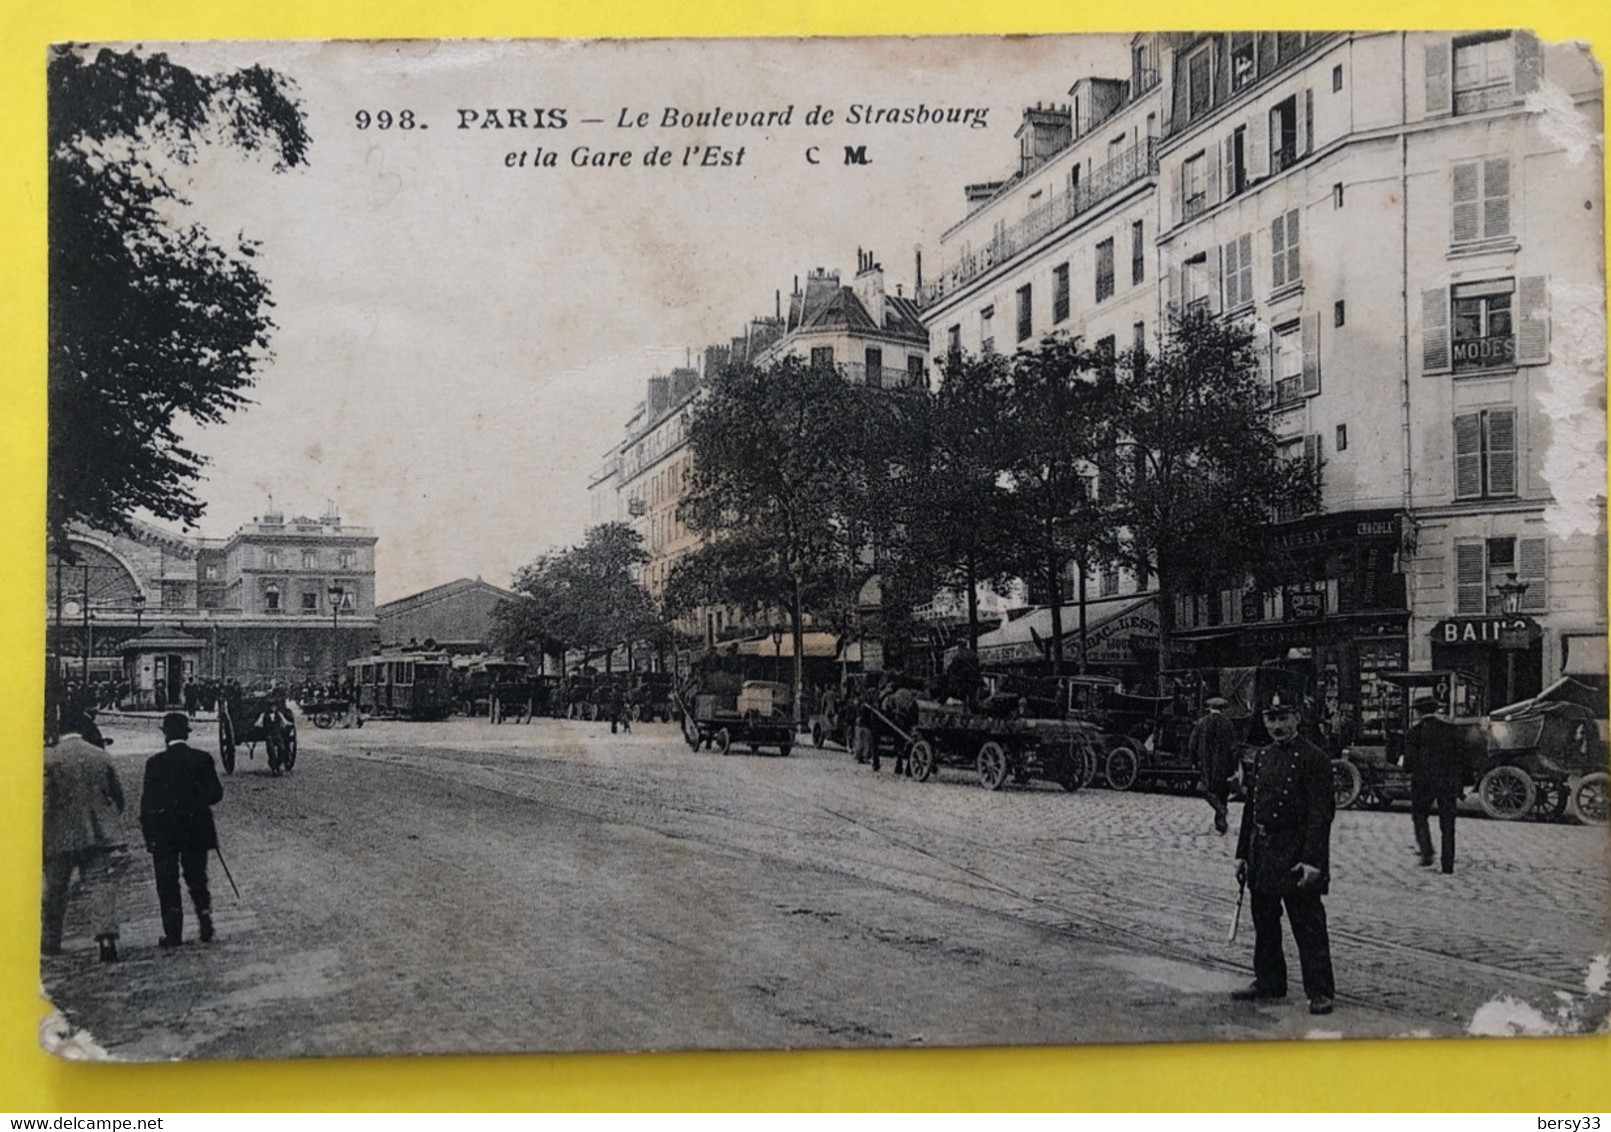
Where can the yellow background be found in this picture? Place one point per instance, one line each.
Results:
(1545, 1075)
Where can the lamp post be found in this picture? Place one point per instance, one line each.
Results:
(777, 654)
(336, 592)
(138, 601)
(1511, 592)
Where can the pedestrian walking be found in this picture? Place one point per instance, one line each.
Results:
(1438, 770)
(1213, 746)
(83, 828)
(616, 705)
(1283, 855)
(176, 818)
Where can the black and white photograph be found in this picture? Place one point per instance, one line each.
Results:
(776, 544)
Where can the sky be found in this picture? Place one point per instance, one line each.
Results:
(460, 340)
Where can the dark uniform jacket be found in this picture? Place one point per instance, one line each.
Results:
(181, 787)
(1287, 818)
(1434, 756)
(1213, 746)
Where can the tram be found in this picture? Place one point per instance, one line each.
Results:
(404, 685)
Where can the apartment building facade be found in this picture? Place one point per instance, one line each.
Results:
(1395, 215)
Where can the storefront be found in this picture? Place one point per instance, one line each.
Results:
(1120, 638)
(1505, 651)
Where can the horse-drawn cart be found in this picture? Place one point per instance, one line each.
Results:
(758, 715)
(249, 719)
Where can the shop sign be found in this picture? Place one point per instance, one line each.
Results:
(1486, 631)
(1379, 526)
(1305, 604)
(1109, 642)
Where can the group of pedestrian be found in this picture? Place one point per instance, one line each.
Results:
(84, 830)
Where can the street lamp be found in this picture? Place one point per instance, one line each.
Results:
(138, 601)
(777, 654)
(336, 593)
(1511, 591)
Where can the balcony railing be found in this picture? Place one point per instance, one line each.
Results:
(1135, 164)
(881, 377)
(1475, 99)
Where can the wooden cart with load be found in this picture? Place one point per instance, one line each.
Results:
(759, 713)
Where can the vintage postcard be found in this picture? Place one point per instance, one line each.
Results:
(774, 544)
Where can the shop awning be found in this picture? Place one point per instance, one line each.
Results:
(1110, 626)
(814, 643)
(1585, 655)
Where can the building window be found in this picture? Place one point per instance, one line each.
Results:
(987, 333)
(1481, 200)
(1485, 454)
(1138, 347)
(1336, 78)
(1194, 185)
(271, 558)
(310, 559)
(1026, 312)
(1337, 195)
(1287, 351)
(1109, 584)
(310, 602)
(1238, 267)
(271, 598)
(1283, 134)
(1484, 72)
(209, 572)
(1287, 44)
(1244, 61)
(1199, 83)
(875, 368)
(1285, 266)
(1104, 269)
(1138, 251)
(1197, 286)
(953, 344)
(1481, 567)
(1339, 313)
(1060, 293)
(822, 357)
(1342, 438)
(1484, 335)
(1107, 355)
(1236, 161)
(1307, 449)
(914, 370)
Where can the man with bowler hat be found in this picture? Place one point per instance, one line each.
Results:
(83, 830)
(181, 787)
(1213, 747)
(1437, 764)
(1283, 854)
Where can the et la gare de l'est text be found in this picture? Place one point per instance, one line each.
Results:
(673, 118)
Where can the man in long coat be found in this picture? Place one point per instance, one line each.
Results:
(181, 787)
(1437, 764)
(83, 826)
(1283, 853)
(1213, 746)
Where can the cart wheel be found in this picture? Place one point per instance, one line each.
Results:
(1506, 793)
(1589, 798)
(1346, 783)
(818, 735)
(226, 741)
(1121, 768)
(992, 766)
(323, 720)
(723, 741)
(1552, 800)
(922, 760)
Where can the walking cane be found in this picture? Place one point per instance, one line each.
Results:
(1236, 920)
(237, 891)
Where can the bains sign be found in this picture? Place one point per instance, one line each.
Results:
(1483, 630)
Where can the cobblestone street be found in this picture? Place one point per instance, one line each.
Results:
(458, 886)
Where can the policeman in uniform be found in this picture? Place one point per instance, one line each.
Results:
(1213, 746)
(1437, 764)
(1283, 854)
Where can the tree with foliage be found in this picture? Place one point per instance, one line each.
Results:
(584, 597)
(1196, 471)
(780, 479)
(956, 516)
(151, 319)
(1059, 420)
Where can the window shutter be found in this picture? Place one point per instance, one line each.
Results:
(1468, 456)
(1294, 263)
(1177, 191)
(1439, 89)
(1529, 62)
(1278, 252)
(1306, 144)
(1435, 330)
(1470, 578)
(1228, 166)
(1253, 152)
(1467, 208)
(1269, 358)
(1532, 321)
(1495, 198)
(1311, 355)
(1233, 290)
(1532, 567)
(1245, 262)
(1501, 428)
(1175, 281)
(1311, 449)
(1217, 298)
(1211, 182)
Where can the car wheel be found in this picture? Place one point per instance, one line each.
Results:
(1345, 783)
(1121, 768)
(1506, 793)
(1589, 798)
(992, 766)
